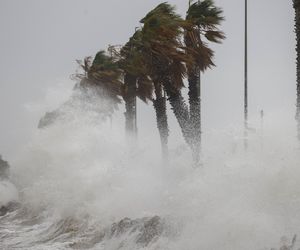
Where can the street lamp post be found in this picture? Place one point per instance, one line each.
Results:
(246, 79)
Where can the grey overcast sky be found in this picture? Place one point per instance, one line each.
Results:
(40, 40)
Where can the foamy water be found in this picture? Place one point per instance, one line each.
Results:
(79, 179)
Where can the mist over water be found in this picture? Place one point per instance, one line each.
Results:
(79, 176)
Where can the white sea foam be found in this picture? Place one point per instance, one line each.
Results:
(8, 193)
(84, 169)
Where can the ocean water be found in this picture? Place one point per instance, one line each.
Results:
(81, 185)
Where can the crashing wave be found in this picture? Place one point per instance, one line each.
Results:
(85, 97)
(8, 192)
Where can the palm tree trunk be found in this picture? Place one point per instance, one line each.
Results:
(297, 30)
(195, 111)
(194, 102)
(161, 119)
(162, 124)
(181, 113)
(130, 105)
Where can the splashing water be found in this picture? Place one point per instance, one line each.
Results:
(83, 187)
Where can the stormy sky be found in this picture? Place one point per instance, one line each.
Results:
(41, 39)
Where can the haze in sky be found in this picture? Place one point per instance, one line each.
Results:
(40, 41)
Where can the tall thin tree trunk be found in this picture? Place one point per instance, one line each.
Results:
(195, 112)
(161, 119)
(162, 124)
(297, 30)
(130, 105)
(181, 112)
(194, 101)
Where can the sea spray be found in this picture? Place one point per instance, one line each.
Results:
(80, 181)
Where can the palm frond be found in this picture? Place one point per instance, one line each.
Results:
(202, 21)
(204, 13)
(144, 88)
(214, 36)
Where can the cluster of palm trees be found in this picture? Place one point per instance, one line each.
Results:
(154, 64)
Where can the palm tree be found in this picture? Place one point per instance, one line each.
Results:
(136, 82)
(100, 78)
(133, 62)
(104, 74)
(296, 4)
(170, 60)
(165, 59)
(202, 21)
(152, 54)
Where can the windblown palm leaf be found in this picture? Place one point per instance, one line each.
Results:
(202, 21)
(104, 73)
(205, 14)
(131, 61)
(162, 45)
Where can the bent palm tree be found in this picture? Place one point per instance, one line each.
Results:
(133, 62)
(202, 20)
(136, 82)
(104, 74)
(164, 56)
(100, 79)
